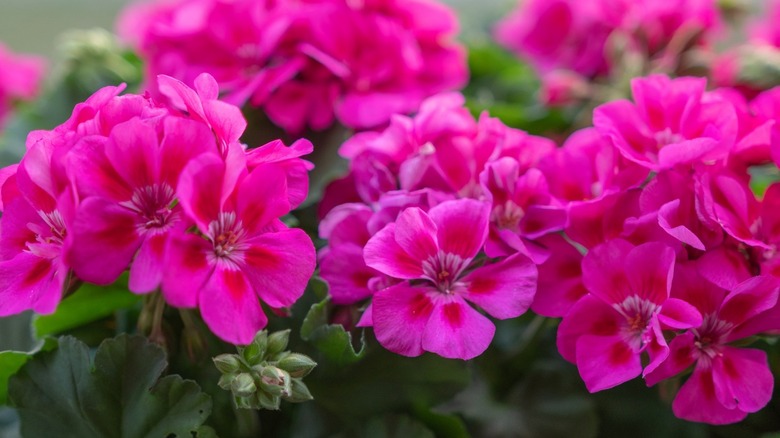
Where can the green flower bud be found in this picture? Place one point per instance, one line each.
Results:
(244, 402)
(268, 401)
(243, 385)
(226, 380)
(275, 381)
(300, 393)
(298, 365)
(277, 342)
(255, 351)
(227, 363)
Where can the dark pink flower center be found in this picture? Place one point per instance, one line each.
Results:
(444, 269)
(48, 237)
(153, 204)
(710, 337)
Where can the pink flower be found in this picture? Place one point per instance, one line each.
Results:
(607, 331)
(560, 278)
(672, 122)
(20, 79)
(240, 251)
(728, 382)
(305, 63)
(129, 185)
(431, 253)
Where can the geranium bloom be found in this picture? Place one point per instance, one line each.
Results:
(432, 254)
(606, 332)
(20, 79)
(240, 251)
(728, 381)
(306, 62)
(671, 122)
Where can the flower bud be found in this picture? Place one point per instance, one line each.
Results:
(268, 401)
(277, 342)
(298, 365)
(243, 385)
(226, 380)
(275, 381)
(227, 363)
(300, 393)
(254, 352)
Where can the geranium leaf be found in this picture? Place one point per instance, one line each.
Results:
(120, 395)
(331, 339)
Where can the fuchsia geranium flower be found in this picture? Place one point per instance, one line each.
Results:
(728, 381)
(671, 122)
(20, 79)
(305, 63)
(240, 251)
(607, 331)
(433, 256)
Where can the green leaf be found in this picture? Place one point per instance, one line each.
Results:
(331, 339)
(12, 361)
(119, 396)
(89, 303)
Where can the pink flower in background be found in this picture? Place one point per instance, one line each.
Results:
(305, 63)
(606, 331)
(728, 381)
(240, 251)
(431, 254)
(671, 122)
(20, 79)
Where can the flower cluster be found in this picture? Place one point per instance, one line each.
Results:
(20, 78)
(644, 230)
(570, 42)
(165, 190)
(305, 63)
(431, 218)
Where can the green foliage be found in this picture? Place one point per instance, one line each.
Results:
(89, 303)
(121, 394)
(390, 426)
(332, 340)
(12, 361)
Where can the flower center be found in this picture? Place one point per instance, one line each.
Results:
(227, 235)
(638, 312)
(507, 216)
(667, 137)
(443, 269)
(152, 203)
(710, 336)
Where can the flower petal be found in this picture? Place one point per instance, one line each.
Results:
(186, 270)
(457, 331)
(384, 254)
(230, 308)
(742, 379)
(462, 226)
(696, 401)
(399, 315)
(504, 289)
(606, 361)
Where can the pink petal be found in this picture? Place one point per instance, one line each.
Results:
(186, 270)
(457, 331)
(696, 401)
(105, 239)
(384, 254)
(146, 272)
(678, 314)
(606, 361)
(400, 314)
(649, 268)
(262, 197)
(30, 282)
(415, 233)
(184, 140)
(347, 275)
(742, 379)
(279, 265)
(200, 189)
(504, 289)
(462, 226)
(749, 298)
(230, 308)
(603, 272)
(560, 278)
(134, 152)
(589, 316)
(680, 358)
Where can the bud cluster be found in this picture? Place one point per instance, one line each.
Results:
(264, 373)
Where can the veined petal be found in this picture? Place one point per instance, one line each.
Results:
(187, 269)
(457, 331)
(678, 314)
(262, 197)
(749, 298)
(649, 268)
(278, 265)
(606, 361)
(415, 233)
(229, 306)
(30, 282)
(504, 289)
(462, 226)
(399, 315)
(742, 379)
(384, 254)
(200, 189)
(696, 401)
(146, 272)
(134, 152)
(589, 316)
(105, 238)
